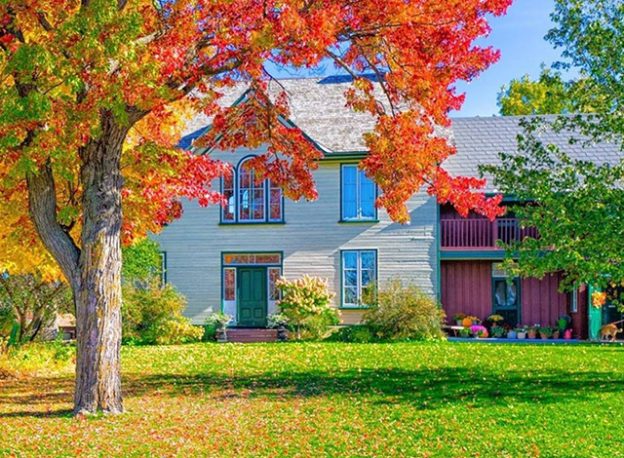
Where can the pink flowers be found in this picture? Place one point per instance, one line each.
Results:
(478, 330)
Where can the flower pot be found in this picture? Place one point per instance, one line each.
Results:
(555, 334)
(531, 334)
(458, 322)
(567, 334)
(221, 335)
(512, 335)
(544, 337)
(521, 335)
(282, 333)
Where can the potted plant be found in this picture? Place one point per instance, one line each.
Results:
(567, 334)
(459, 317)
(464, 332)
(278, 321)
(562, 325)
(512, 334)
(220, 321)
(545, 332)
(532, 331)
(521, 333)
(478, 331)
(468, 321)
(497, 331)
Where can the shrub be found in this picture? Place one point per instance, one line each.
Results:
(306, 304)
(153, 315)
(29, 304)
(356, 333)
(404, 312)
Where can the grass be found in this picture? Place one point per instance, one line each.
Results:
(334, 399)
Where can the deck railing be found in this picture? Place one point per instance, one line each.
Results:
(481, 233)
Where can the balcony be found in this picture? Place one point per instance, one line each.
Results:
(481, 233)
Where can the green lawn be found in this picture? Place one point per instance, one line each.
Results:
(333, 399)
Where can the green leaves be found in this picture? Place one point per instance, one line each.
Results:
(577, 207)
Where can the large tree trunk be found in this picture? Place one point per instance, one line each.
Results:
(93, 269)
(98, 298)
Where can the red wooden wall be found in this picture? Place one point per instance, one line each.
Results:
(467, 288)
(542, 303)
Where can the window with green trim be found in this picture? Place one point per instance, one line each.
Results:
(358, 194)
(359, 275)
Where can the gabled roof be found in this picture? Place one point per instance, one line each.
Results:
(318, 108)
(479, 140)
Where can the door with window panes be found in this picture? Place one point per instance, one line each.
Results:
(505, 295)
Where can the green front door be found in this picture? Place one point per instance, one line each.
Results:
(252, 296)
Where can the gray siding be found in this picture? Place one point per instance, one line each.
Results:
(311, 240)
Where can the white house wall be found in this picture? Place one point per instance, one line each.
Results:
(311, 240)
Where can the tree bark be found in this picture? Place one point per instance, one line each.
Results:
(98, 297)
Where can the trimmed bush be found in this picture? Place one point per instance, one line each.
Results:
(404, 312)
(305, 303)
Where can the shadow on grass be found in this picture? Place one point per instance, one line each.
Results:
(424, 389)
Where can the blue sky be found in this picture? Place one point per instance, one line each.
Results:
(520, 37)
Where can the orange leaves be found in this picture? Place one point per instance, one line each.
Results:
(64, 64)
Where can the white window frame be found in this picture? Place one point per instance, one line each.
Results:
(359, 270)
(358, 196)
(266, 186)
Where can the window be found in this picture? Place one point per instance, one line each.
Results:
(505, 293)
(358, 195)
(230, 199)
(274, 273)
(163, 268)
(359, 272)
(229, 284)
(250, 200)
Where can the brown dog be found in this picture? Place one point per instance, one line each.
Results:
(609, 331)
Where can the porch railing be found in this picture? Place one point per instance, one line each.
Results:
(481, 233)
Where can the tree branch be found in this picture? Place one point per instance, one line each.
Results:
(42, 206)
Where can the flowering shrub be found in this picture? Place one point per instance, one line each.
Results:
(478, 330)
(306, 305)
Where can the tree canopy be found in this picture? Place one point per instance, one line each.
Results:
(578, 208)
(95, 94)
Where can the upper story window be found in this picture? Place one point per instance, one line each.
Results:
(358, 195)
(250, 200)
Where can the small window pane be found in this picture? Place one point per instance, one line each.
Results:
(229, 284)
(274, 275)
(350, 277)
(367, 196)
(349, 259)
(228, 194)
(368, 276)
(275, 203)
(368, 259)
(349, 192)
(350, 295)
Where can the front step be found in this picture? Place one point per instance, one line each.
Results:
(249, 335)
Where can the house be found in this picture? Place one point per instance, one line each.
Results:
(229, 258)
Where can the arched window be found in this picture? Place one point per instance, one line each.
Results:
(250, 200)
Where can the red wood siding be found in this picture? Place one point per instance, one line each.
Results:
(467, 288)
(542, 303)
